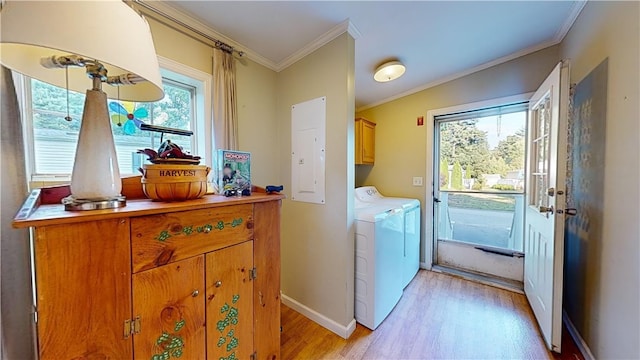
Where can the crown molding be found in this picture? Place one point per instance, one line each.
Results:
(353, 30)
(168, 9)
(348, 26)
(345, 26)
(460, 74)
(320, 41)
(568, 23)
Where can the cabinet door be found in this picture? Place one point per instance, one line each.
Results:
(170, 303)
(368, 142)
(230, 302)
(83, 283)
(266, 255)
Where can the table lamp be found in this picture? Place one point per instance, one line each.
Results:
(48, 40)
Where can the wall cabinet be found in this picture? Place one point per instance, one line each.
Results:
(365, 142)
(192, 280)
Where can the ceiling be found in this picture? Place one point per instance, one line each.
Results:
(436, 40)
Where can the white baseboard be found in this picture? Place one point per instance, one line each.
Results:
(582, 345)
(425, 266)
(325, 322)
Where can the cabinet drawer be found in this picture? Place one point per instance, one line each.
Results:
(160, 239)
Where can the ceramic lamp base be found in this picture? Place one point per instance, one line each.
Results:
(95, 170)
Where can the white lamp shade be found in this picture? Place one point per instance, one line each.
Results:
(108, 31)
(389, 71)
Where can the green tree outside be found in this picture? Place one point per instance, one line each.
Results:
(444, 172)
(462, 142)
(50, 108)
(511, 150)
(456, 176)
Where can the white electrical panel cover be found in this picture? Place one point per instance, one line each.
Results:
(308, 125)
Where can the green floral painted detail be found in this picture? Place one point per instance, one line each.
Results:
(204, 228)
(234, 223)
(164, 235)
(189, 230)
(229, 321)
(231, 356)
(224, 308)
(171, 345)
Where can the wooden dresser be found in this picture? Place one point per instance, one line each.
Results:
(193, 280)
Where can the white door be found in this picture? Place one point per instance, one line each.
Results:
(545, 199)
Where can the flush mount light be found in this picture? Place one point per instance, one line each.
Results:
(389, 71)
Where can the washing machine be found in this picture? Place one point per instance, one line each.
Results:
(411, 221)
(378, 251)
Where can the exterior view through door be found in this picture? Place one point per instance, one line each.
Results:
(479, 190)
(500, 195)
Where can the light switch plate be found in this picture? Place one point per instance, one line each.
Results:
(417, 181)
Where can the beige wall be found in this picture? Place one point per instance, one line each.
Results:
(401, 146)
(609, 308)
(180, 47)
(256, 90)
(317, 240)
(257, 122)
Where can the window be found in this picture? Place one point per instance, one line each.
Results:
(480, 181)
(483, 149)
(51, 140)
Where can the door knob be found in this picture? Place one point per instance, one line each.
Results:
(552, 192)
(569, 211)
(545, 209)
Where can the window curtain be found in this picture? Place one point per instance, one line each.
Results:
(15, 260)
(225, 112)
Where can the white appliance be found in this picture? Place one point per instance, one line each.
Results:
(379, 250)
(411, 215)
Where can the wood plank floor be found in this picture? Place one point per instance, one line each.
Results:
(439, 317)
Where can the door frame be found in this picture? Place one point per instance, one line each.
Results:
(431, 243)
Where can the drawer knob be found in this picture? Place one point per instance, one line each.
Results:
(195, 293)
(218, 283)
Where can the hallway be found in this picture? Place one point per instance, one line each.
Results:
(439, 317)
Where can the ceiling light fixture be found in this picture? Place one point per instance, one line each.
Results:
(388, 71)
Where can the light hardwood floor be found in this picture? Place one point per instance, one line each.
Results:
(439, 317)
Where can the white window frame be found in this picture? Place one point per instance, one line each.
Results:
(203, 131)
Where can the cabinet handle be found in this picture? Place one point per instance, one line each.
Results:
(218, 283)
(195, 293)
